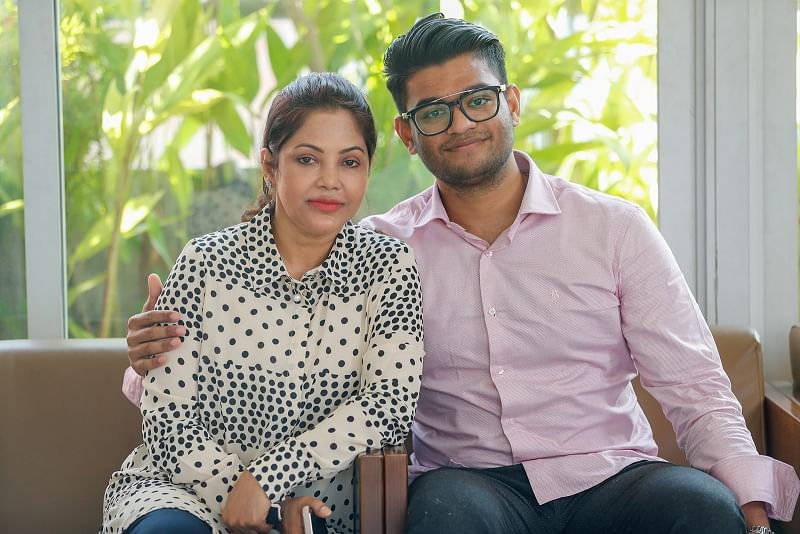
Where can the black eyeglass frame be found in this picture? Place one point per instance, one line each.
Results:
(411, 114)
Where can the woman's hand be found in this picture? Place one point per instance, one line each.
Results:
(292, 513)
(247, 506)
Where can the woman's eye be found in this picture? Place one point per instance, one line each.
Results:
(350, 162)
(305, 160)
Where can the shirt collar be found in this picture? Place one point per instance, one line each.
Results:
(538, 198)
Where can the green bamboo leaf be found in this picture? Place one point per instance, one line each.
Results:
(99, 236)
(180, 31)
(236, 134)
(77, 331)
(155, 232)
(9, 119)
(75, 291)
(179, 180)
(227, 12)
(11, 206)
(96, 239)
(137, 210)
(189, 126)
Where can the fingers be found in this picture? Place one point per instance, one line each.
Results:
(154, 288)
(293, 513)
(319, 508)
(147, 339)
(143, 365)
(147, 319)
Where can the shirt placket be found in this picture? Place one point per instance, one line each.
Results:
(500, 368)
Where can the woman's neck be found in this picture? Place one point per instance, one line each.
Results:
(300, 252)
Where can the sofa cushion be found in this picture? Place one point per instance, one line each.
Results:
(64, 428)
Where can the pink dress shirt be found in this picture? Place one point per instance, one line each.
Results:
(532, 342)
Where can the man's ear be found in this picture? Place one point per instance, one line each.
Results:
(513, 99)
(403, 129)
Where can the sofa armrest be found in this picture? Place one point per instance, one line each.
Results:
(382, 490)
(782, 413)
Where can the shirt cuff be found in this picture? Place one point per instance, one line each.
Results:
(132, 386)
(761, 478)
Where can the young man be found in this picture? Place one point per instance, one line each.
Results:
(542, 301)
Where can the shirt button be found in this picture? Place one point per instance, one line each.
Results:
(492, 312)
(501, 371)
(488, 253)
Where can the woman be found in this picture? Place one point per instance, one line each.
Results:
(303, 342)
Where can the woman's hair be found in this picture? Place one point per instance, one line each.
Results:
(434, 40)
(290, 107)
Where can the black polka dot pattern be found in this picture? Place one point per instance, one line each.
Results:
(288, 379)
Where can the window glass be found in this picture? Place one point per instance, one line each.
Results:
(164, 102)
(13, 314)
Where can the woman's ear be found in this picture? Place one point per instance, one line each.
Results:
(266, 163)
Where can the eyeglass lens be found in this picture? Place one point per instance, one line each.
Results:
(480, 105)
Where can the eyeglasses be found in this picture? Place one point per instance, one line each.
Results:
(477, 105)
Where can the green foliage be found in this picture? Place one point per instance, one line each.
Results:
(144, 81)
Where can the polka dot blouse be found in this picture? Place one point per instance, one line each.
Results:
(287, 379)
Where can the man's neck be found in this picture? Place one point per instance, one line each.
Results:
(486, 213)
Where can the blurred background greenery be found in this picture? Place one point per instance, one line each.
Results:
(163, 102)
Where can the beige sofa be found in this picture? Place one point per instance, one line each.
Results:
(65, 427)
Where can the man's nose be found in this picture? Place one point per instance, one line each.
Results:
(461, 123)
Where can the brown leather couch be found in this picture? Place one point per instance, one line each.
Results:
(740, 351)
(65, 427)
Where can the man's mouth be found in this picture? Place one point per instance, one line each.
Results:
(464, 144)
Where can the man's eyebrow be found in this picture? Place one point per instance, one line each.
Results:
(320, 150)
(431, 100)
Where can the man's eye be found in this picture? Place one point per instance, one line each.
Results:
(432, 114)
(479, 101)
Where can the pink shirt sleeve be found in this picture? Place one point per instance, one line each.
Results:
(678, 363)
(132, 386)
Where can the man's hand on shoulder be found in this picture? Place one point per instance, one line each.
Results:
(146, 340)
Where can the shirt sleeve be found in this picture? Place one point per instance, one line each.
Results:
(382, 411)
(679, 365)
(132, 386)
(176, 439)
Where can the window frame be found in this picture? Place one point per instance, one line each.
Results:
(727, 163)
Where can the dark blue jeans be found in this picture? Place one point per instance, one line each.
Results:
(174, 521)
(643, 498)
(168, 520)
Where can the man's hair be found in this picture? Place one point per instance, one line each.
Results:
(434, 40)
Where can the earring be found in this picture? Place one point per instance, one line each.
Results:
(267, 188)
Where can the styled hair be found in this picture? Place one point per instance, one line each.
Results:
(434, 40)
(295, 102)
